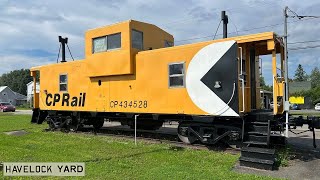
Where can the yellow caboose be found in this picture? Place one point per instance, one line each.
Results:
(133, 68)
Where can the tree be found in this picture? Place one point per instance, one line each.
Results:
(17, 80)
(300, 74)
(315, 77)
(263, 84)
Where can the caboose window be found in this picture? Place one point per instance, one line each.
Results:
(114, 41)
(63, 82)
(176, 75)
(137, 39)
(168, 43)
(99, 44)
(102, 44)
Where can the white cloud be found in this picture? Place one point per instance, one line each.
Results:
(36, 24)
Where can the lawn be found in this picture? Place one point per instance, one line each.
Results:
(109, 158)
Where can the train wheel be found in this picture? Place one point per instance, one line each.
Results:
(98, 123)
(184, 135)
(235, 144)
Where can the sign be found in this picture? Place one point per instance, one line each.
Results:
(43, 169)
(296, 100)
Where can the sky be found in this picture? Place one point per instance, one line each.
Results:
(29, 29)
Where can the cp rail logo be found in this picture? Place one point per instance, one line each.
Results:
(66, 99)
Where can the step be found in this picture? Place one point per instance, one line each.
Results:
(258, 150)
(259, 153)
(259, 128)
(256, 143)
(259, 123)
(256, 163)
(258, 138)
(257, 133)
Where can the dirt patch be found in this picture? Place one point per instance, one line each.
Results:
(17, 133)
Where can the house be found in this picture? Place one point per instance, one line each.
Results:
(266, 98)
(7, 95)
(30, 91)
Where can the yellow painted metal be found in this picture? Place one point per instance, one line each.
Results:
(275, 87)
(139, 77)
(296, 100)
(278, 87)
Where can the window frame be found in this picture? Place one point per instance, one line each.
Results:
(177, 75)
(167, 42)
(66, 83)
(107, 39)
(106, 43)
(142, 48)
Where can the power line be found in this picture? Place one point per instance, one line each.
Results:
(217, 30)
(245, 30)
(306, 47)
(304, 41)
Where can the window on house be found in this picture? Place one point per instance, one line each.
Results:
(177, 75)
(137, 39)
(168, 43)
(63, 82)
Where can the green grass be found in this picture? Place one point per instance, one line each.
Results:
(23, 108)
(303, 113)
(110, 158)
(283, 156)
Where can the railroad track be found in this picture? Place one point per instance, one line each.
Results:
(156, 137)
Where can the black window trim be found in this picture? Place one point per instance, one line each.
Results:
(177, 75)
(66, 83)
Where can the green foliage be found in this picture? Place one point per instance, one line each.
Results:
(315, 77)
(283, 156)
(313, 93)
(300, 74)
(17, 80)
(23, 107)
(264, 86)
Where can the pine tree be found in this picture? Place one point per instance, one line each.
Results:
(300, 74)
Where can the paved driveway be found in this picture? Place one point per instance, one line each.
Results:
(23, 112)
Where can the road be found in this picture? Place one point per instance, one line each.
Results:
(305, 112)
(27, 112)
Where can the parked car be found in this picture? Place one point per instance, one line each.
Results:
(317, 107)
(271, 105)
(295, 107)
(6, 107)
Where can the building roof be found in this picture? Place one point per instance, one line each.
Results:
(265, 91)
(2, 88)
(20, 96)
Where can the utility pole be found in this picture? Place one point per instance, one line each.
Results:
(285, 38)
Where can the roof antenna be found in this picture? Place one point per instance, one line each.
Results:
(63, 42)
(224, 19)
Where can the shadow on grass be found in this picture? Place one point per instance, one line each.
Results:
(125, 156)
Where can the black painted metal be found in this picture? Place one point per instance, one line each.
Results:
(258, 164)
(63, 42)
(224, 19)
(228, 82)
(253, 78)
(260, 158)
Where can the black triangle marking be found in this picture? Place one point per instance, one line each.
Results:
(225, 71)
